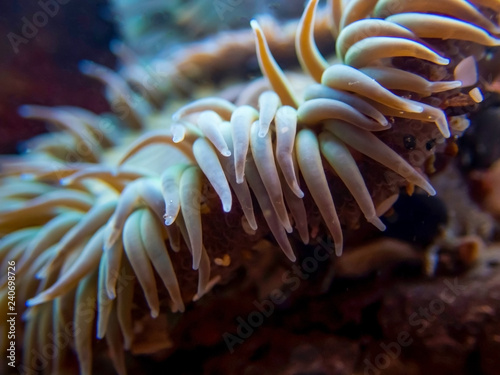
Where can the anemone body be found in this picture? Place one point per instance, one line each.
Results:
(115, 216)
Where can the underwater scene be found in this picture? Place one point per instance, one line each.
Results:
(301, 187)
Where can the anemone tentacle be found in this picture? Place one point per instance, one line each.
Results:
(107, 209)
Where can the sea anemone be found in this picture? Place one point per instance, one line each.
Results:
(143, 197)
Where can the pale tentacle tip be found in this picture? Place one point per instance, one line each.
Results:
(169, 219)
(208, 287)
(65, 181)
(385, 123)
(111, 294)
(430, 190)
(262, 133)
(177, 308)
(376, 222)
(446, 133)
(36, 300)
(24, 110)
(155, 313)
(85, 66)
(196, 264)
(240, 179)
(181, 308)
(248, 227)
(298, 192)
(179, 305)
(27, 177)
(225, 152)
(254, 24)
(115, 45)
(415, 108)
(226, 207)
(442, 61)
(476, 95)
(338, 249)
(178, 133)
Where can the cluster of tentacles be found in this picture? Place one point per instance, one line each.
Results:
(93, 209)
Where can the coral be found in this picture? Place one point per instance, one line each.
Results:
(98, 214)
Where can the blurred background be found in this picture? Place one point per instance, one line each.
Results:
(42, 42)
(44, 69)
